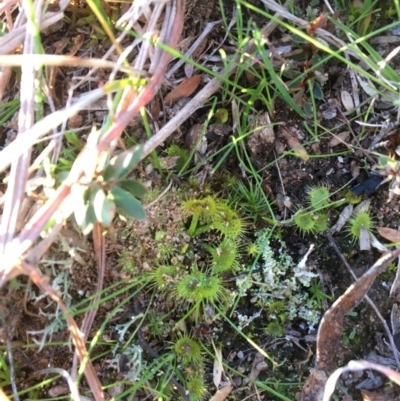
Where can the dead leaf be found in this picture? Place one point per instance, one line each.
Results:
(331, 327)
(355, 169)
(200, 50)
(364, 241)
(347, 100)
(362, 207)
(257, 366)
(295, 144)
(376, 243)
(235, 115)
(218, 368)
(168, 162)
(316, 149)
(78, 42)
(75, 121)
(347, 398)
(188, 68)
(184, 89)
(358, 366)
(221, 394)
(339, 138)
(155, 108)
(261, 141)
(343, 219)
(250, 78)
(389, 233)
(184, 44)
(58, 390)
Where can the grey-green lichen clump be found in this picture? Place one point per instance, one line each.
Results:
(280, 287)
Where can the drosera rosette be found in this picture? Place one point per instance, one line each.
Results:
(315, 218)
(252, 249)
(196, 388)
(318, 196)
(209, 214)
(188, 351)
(198, 289)
(275, 309)
(228, 222)
(309, 222)
(225, 256)
(165, 277)
(361, 225)
(202, 212)
(164, 247)
(304, 221)
(359, 222)
(320, 222)
(275, 329)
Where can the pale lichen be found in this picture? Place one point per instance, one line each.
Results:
(279, 279)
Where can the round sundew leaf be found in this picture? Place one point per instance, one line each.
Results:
(320, 222)
(361, 221)
(318, 196)
(224, 256)
(189, 350)
(304, 221)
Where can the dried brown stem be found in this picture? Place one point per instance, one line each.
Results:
(77, 337)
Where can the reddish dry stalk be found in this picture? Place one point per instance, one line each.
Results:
(100, 252)
(39, 220)
(14, 250)
(76, 334)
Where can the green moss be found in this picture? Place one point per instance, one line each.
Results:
(275, 329)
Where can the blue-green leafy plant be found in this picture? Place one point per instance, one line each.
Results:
(111, 191)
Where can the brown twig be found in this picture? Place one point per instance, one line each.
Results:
(99, 249)
(76, 334)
